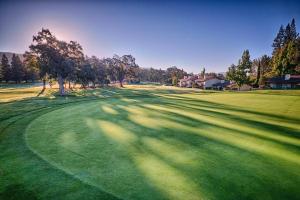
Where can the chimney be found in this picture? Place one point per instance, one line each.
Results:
(287, 77)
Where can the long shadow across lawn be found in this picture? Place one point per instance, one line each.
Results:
(225, 170)
(219, 169)
(26, 176)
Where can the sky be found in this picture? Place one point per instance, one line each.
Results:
(159, 34)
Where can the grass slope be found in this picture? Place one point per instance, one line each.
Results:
(152, 143)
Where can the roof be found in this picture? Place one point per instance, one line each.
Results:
(281, 79)
(200, 80)
(190, 78)
(196, 79)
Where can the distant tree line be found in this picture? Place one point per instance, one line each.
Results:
(51, 59)
(170, 76)
(285, 59)
(18, 70)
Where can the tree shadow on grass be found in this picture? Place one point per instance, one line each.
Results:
(246, 121)
(17, 192)
(204, 103)
(33, 178)
(223, 170)
(233, 171)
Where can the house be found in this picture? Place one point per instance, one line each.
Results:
(209, 82)
(221, 85)
(206, 82)
(187, 81)
(284, 82)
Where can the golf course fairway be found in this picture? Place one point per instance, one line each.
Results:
(180, 146)
(150, 142)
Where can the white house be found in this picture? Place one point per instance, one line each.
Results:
(206, 82)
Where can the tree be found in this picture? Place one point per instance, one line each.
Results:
(286, 57)
(56, 58)
(231, 73)
(17, 70)
(5, 69)
(110, 69)
(265, 69)
(239, 73)
(173, 74)
(257, 62)
(174, 80)
(86, 75)
(287, 34)
(279, 40)
(31, 67)
(293, 32)
(122, 66)
(76, 60)
(203, 72)
(246, 63)
(99, 67)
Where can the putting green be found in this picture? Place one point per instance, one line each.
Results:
(177, 146)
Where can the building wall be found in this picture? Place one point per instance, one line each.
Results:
(280, 86)
(182, 83)
(209, 83)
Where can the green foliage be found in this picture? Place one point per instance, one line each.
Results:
(56, 58)
(31, 67)
(86, 75)
(174, 80)
(161, 76)
(122, 67)
(99, 68)
(17, 69)
(240, 73)
(173, 74)
(5, 69)
(286, 52)
(261, 70)
(279, 40)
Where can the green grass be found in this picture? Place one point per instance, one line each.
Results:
(151, 142)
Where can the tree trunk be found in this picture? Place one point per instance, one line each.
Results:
(44, 84)
(69, 84)
(61, 85)
(121, 83)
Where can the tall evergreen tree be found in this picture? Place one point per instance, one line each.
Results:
(293, 31)
(279, 39)
(288, 36)
(286, 58)
(5, 69)
(17, 70)
(246, 62)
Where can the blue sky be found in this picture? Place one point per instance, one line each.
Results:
(160, 34)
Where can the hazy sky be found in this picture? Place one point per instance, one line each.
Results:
(160, 34)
